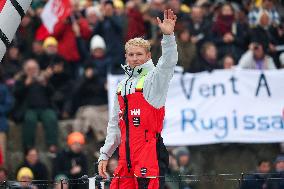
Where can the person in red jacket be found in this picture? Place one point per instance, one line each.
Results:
(136, 122)
(66, 32)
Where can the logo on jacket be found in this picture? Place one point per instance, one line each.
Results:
(136, 118)
(136, 121)
(143, 171)
(135, 112)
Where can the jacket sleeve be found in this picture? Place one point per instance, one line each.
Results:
(113, 134)
(157, 81)
(245, 61)
(7, 104)
(59, 29)
(84, 29)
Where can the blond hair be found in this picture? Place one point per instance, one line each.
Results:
(139, 42)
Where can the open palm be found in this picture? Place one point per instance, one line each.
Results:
(167, 26)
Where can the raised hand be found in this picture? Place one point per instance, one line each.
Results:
(167, 26)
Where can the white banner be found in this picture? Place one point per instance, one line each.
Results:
(242, 106)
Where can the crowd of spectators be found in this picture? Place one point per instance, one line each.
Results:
(63, 75)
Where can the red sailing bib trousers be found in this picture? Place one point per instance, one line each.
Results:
(143, 158)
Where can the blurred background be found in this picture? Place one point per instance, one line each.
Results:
(54, 94)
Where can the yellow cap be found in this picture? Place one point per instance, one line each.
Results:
(184, 8)
(49, 41)
(118, 4)
(25, 171)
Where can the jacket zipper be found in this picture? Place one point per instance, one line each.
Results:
(126, 119)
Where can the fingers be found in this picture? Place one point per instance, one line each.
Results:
(169, 14)
(102, 168)
(165, 14)
(159, 21)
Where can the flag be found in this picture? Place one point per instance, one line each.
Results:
(11, 13)
(53, 11)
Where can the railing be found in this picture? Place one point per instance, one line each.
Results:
(97, 182)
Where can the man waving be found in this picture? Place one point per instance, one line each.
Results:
(138, 113)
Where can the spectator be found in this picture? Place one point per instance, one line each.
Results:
(228, 62)
(181, 10)
(263, 33)
(277, 177)
(37, 51)
(12, 64)
(111, 29)
(26, 32)
(281, 60)
(61, 81)
(61, 180)
(278, 40)
(34, 92)
(258, 179)
(198, 26)
(3, 175)
(172, 172)
(227, 34)
(98, 57)
(135, 26)
(256, 58)
(208, 60)
(72, 162)
(90, 101)
(267, 5)
(50, 48)
(182, 156)
(32, 161)
(24, 178)
(93, 15)
(66, 31)
(186, 51)
(6, 102)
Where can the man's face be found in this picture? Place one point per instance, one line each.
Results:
(51, 49)
(31, 68)
(264, 167)
(258, 51)
(197, 14)
(183, 160)
(136, 56)
(279, 166)
(108, 10)
(32, 157)
(76, 147)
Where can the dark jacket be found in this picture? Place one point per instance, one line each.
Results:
(276, 181)
(254, 181)
(64, 162)
(203, 65)
(186, 55)
(6, 102)
(102, 65)
(111, 29)
(89, 91)
(39, 170)
(35, 95)
(62, 83)
(237, 47)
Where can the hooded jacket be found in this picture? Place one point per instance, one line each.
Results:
(155, 89)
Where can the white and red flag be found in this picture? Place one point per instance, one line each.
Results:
(54, 11)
